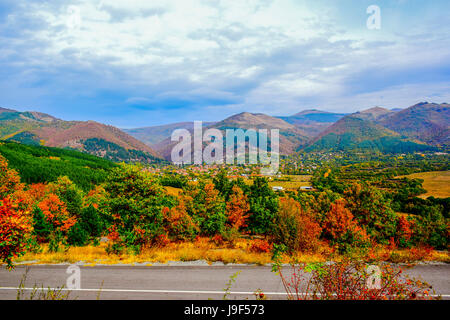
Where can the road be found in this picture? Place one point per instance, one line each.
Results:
(176, 282)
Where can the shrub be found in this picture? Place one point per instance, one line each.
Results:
(260, 246)
(349, 280)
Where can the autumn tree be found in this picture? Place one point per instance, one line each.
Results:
(178, 224)
(295, 227)
(237, 209)
(341, 227)
(9, 179)
(15, 228)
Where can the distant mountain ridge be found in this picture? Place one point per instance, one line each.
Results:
(89, 136)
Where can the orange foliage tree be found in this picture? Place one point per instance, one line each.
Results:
(15, 228)
(237, 209)
(341, 227)
(9, 179)
(296, 228)
(178, 223)
(56, 213)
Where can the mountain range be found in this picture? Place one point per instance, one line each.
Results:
(102, 140)
(421, 127)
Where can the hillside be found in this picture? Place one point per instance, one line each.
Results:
(37, 164)
(291, 138)
(352, 133)
(426, 122)
(313, 122)
(89, 136)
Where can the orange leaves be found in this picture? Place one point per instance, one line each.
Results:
(340, 223)
(404, 230)
(237, 209)
(178, 223)
(297, 228)
(15, 226)
(56, 212)
(260, 246)
(9, 179)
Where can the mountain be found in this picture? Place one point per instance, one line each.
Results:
(426, 122)
(374, 114)
(102, 140)
(312, 122)
(354, 133)
(291, 137)
(153, 135)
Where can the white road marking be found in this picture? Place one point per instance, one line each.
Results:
(168, 291)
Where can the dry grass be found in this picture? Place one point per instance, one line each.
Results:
(204, 249)
(173, 191)
(436, 183)
(295, 182)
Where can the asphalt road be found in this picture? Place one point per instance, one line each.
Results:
(176, 282)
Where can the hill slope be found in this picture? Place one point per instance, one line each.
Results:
(352, 133)
(89, 136)
(37, 164)
(427, 122)
(291, 138)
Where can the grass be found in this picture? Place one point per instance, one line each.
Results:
(437, 183)
(206, 250)
(291, 182)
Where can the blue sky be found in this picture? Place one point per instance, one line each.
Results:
(134, 63)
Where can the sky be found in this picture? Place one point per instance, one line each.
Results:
(136, 63)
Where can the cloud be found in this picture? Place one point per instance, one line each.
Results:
(134, 61)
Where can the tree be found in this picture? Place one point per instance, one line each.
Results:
(15, 228)
(136, 200)
(69, 193)
(263, 206)
(372, 210)
(205, 205)
(295, 227)
(9, 179)
(237, 209)
(341, 227)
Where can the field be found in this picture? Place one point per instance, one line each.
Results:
(291, 182)
(436, 183)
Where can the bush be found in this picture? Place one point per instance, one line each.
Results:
(349, 280)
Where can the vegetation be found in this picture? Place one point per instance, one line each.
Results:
(361, 210)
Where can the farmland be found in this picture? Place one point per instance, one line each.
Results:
(436, 183)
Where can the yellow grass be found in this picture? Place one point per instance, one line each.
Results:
(296, 181)
(173, 191)
(436, 183)
(204, 249)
